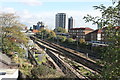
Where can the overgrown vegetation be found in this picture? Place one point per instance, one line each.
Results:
(12, 44)
(43, 71)
(110, 56)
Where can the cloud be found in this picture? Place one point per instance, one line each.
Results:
(75, 0)
(55, 1)
(32, 2)
(48, 17)
(28, 2)
(7, 10)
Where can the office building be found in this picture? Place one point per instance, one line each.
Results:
(70, 23)
(60, 20)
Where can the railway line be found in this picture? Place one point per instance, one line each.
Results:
(88, 64)
(66, 68)
(62, 66)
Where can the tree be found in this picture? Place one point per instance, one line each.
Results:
(9, 20)
(60, 30)
(11, 35)
(61, 38)
(110, 15)
(52, 34)
(69, 40)
(110, 58)
(47, 33)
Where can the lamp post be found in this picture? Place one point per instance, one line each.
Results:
(77, 41)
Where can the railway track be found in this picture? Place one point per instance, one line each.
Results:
(65, 67)
(80, 59)
(62, 66)
(91, 65)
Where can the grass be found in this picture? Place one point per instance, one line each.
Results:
(43, 59)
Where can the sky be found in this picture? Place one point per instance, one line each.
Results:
(32, 11)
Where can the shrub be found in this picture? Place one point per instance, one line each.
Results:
(69, 40)
(42, 70)
(62, 38)
(82, 41)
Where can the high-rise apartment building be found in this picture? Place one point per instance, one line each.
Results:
(70, 23)
(60, 20)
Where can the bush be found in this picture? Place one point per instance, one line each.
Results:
(69, 40)
(60, 30)
(62, 38)
(41, 71)
(82, 41)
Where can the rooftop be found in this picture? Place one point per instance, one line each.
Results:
(96, 31)
(81, 28)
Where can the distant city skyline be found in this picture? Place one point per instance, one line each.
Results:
(32, 11)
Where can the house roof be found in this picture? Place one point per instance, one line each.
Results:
(81, 28)
(97, 31)
(34, 31)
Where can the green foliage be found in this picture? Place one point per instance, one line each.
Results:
(14, 32)
(69, 40)
(24, 66)
(60, 30)
(111, 58)
(52, 34)
(82, 41)
(43, 59)
(42, 71)
(45, 33)
(110, 15)
(12, 39)
(111, 55)
(9, 46)
(11, 35)
(61, 38)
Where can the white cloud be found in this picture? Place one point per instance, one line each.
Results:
(28, 2)
(56, 0)
(48, 18)
(75, 0)
(32, 2)
(7, 10)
